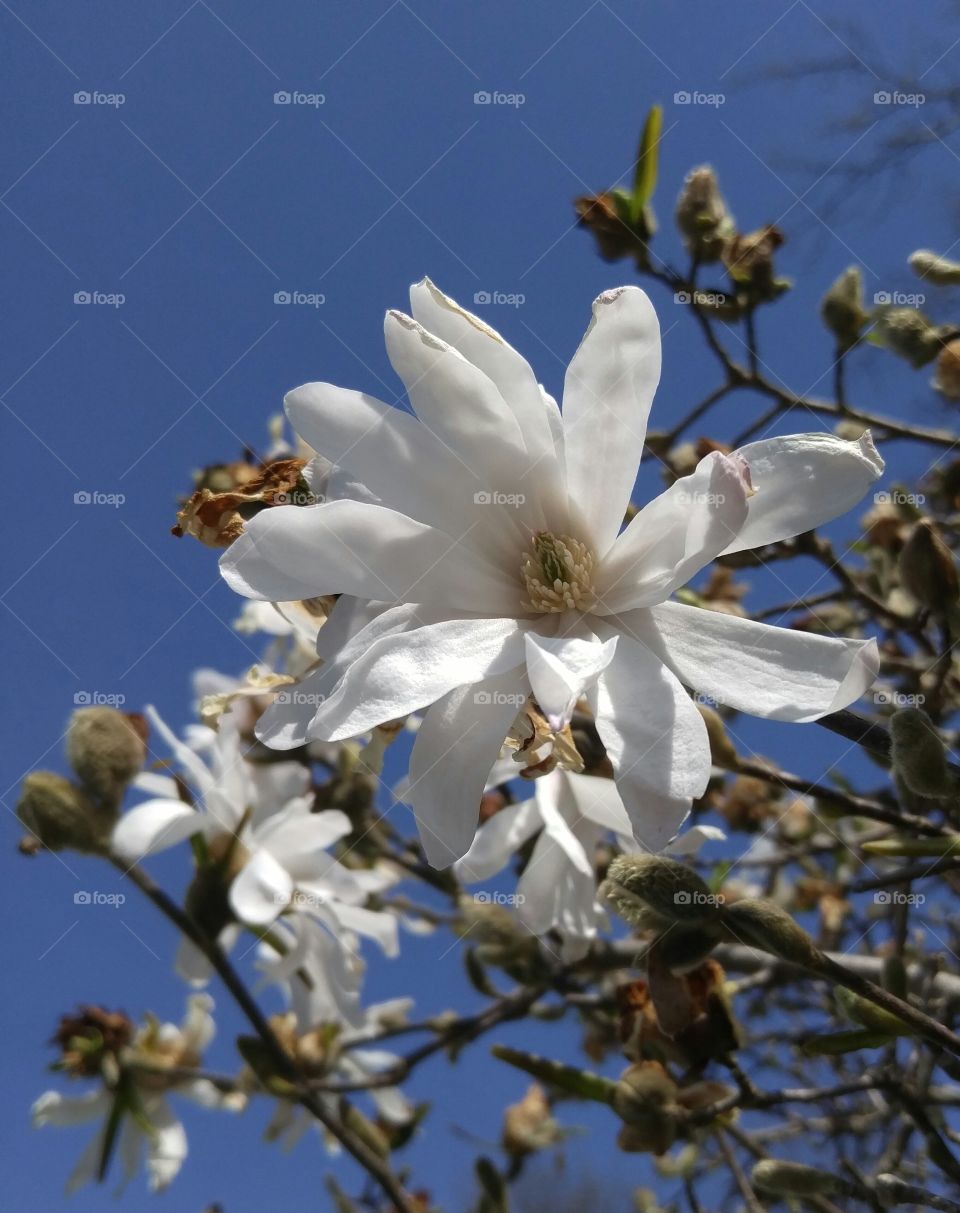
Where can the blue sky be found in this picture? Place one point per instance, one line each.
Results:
(183, 197)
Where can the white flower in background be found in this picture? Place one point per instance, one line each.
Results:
(149, 1129)
(482, 559)
(260, 816)
(558, 888)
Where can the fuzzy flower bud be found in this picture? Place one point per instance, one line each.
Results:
(106, 751)
(777, 1178)
(909, 333)
(946, 379)
(933, 268)
(62, 816)
(702, 216)
(651, 890)
(764, 925)
(918, 754)
(927, 569)
(842, 308)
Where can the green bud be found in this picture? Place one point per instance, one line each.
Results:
(913, 848)
(933, 268)
(105, 751)
(868, 1014)
(651, 890)
(62, 816)
(927, 569)
(918, 754)
(842, 308)
(764, 925)
(777, 1178)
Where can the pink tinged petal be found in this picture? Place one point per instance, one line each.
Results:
(369, 551)
(262, 891)
(462, 407)
(767, 671)
(401, 674)
(674, 536)
(597, 800)
(802, 481)
(457, 744)
(153, 826)
(510, 373)
(655, 739)
(607, 395)
(498, 840)
(561, 668)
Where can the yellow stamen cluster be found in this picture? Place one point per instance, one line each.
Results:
(557, 574)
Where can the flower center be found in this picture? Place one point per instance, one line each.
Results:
(557, 574)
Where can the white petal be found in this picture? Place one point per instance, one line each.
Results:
(690, 841)
(560, 668)
(507, 370)
(607, 395)
(166, 1146)
(498, 840)
(52, 1108)
(289, 837)
(598, 801)
(401, 674)
(153, 826)
(374, 924)
(674, 536)
(801, 482)
(655, 739)
(556, 894)
(191, 964)
(556, 805)
(261, 891)
(198, 773)
(351, 547)
(767, 671)
(456, 746)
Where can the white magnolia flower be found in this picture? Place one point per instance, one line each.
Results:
(151, 1130)
(482, 559)
(558, 888)
(261, 815)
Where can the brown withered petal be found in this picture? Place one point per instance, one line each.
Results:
(216, 517)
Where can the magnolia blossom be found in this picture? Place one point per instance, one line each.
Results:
(558, 888)
(260, 818)
(148, 1127)
(480, 557)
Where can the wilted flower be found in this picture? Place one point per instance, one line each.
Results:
(483, 561)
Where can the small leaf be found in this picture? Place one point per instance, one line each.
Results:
(581, 1083)
(494, 1190)
(844, 1042)
(645, 174)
